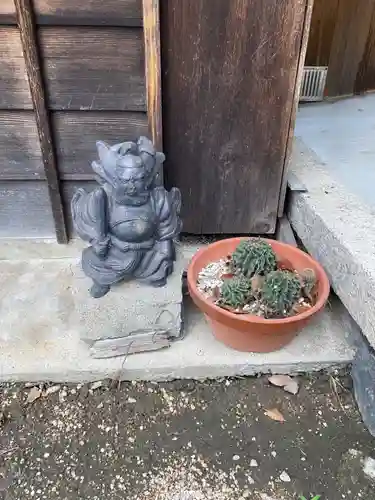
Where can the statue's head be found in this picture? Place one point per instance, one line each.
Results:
(129, 167)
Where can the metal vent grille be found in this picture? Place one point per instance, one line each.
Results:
(313, 83)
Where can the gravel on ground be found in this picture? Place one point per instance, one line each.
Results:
(185, 440)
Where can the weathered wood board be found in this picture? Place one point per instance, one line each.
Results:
(20, 155)
(29, 40)
(294, 107)
(94, 68)
(88, 12)
(365, 79)
(229, 71)
(76, 134)
(25, 210)
(7, 12)
(122, 346)
(323, 24)
(151, 17)
(93, 61)
(348, 45)
(14, 86)
(342, 37)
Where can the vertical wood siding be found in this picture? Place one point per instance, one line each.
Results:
(342, 37)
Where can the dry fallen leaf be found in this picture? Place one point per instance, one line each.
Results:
(33, 395)
(275, 414)
(287, 383)
(279, 380)
(292, 387)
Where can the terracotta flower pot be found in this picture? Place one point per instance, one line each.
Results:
(245, 332)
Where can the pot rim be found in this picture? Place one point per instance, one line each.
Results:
(249, 318)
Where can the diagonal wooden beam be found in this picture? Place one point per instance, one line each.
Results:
(25, 19)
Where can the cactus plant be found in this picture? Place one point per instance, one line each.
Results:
(281, 290)
(235, 292)
(254, 256)
(308, 281)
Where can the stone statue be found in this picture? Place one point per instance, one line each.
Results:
(129, 222)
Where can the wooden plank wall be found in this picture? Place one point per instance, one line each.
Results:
(322, 28)
(70, 12)
(93, 63)
(365, 78)
(342, 37)
(31, 54)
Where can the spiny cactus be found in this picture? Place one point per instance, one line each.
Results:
(235, 292)
(308, 281)
(254, 256)
(281, 290)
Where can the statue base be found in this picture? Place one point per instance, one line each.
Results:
(132, 317)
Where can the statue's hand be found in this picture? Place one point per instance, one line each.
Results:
(101, 248)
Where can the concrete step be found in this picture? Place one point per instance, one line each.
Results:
(325, 344)
(42, 292)
(338, 230)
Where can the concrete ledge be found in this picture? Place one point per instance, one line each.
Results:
(65, 358)
(27, 249)
(39, 248)
(339, 231)
(41, 330)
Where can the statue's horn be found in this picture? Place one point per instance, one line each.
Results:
(160, 158)
(103, 150)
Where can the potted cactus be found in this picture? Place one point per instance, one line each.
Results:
(256, 293)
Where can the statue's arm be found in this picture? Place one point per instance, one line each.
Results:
(125, 246)
(90, 218)
(99, 208)
(169, 205)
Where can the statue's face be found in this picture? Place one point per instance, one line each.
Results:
(131, 186)
(131, 178)
(132, 181)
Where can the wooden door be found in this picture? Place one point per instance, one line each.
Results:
(229, 79)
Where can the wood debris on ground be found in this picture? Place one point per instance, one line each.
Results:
(286, 382)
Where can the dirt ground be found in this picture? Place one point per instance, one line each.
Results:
(185, 440)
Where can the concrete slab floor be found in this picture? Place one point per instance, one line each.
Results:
(62, 356)
(45, 304)
(185, 440)
(342, 135)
